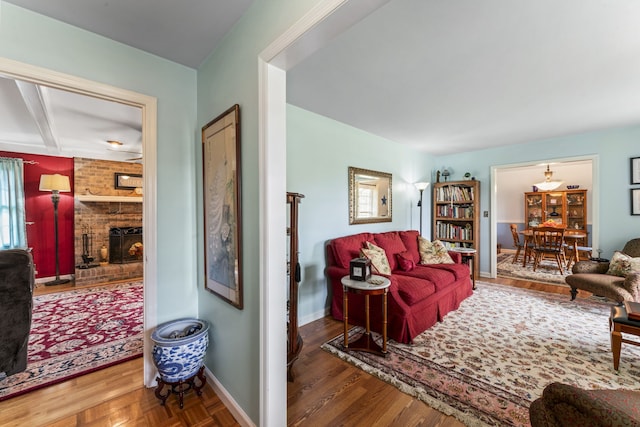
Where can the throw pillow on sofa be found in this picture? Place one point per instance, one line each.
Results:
(392, 245)
(622, 265)
(378, 258)
(433, 252)
(405, 261)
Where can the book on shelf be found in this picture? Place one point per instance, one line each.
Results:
(633, 310)
(454, 193)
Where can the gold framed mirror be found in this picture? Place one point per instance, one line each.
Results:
(370, 196)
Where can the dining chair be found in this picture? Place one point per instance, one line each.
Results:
(549, 244)
(523, 247)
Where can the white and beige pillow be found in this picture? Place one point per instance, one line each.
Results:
(378, 258)
(433, 252)
(623, 265)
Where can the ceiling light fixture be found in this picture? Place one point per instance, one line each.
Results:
(114, 143)
(547, 184)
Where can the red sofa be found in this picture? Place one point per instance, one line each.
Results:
(417, 299)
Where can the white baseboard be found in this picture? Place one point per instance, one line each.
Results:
(313, 316)
(235, 409)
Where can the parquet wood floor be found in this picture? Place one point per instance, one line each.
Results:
(326, 392)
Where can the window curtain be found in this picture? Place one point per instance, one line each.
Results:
(13, 230)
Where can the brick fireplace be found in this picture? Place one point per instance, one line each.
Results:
(97, 217)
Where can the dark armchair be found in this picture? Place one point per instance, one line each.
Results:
(591, 276)
(16, 303)
(563, 405)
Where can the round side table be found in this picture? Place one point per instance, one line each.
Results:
(468, 257)
(376, 285)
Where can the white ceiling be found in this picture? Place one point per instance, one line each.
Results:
(442, 76)
(457, 75)
(43, 120)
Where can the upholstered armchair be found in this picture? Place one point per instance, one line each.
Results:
(563, 405)
(16, 304)
(592, 277)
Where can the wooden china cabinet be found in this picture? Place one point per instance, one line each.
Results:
(567, 208)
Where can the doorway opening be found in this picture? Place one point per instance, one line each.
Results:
(148, 105)
(499, 199)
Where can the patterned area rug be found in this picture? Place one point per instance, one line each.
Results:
(488, 360)
(547, 272)
(77, 332)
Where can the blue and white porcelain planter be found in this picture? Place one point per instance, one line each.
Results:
(179, 348)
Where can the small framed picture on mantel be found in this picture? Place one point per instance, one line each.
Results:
(127, 181)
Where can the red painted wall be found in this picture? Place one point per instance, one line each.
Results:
(39, 210)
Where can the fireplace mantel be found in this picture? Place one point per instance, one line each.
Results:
(91, 198)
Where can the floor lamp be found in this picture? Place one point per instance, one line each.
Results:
(55, 183)
(421, 186)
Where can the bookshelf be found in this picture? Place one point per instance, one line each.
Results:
(456, 215)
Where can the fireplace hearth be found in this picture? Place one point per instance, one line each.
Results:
(125, 245)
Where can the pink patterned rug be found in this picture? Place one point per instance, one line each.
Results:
(547, 272)
(488, 360)
(77, 332)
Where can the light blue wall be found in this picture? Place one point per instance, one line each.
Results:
(37, 40)
(319, 152)
(228, 77)
(614, 147)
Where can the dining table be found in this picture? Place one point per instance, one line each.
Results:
(571, 238)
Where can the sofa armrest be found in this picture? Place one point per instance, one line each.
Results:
(336, 273)
(567, 405)
(632, 285)
(455, 256)
(590, 267)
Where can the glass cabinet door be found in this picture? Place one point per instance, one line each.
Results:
(533, 205)
(576, 211)
(554, 207)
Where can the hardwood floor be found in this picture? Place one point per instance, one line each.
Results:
(110, 397)
(41, 289)
(326, 391)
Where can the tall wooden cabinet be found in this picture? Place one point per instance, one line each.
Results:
(568, 208)
(294, 340)
(456, 215)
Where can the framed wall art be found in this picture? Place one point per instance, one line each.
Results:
(635, 170)
(127, 181)
(635, 201)
(222, 207)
